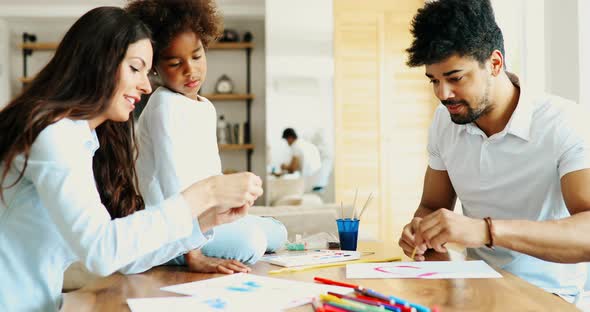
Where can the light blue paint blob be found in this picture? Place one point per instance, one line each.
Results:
(252, 284)
(247, 287)
(239, 289)
(217, 303)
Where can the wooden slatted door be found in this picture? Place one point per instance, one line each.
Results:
(382, 113)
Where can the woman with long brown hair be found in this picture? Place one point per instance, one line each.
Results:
(68, 184)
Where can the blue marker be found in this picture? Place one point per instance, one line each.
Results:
(419, 308)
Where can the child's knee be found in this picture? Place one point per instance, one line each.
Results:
(278, 236)
(252, 246)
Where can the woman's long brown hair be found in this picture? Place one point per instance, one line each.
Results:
(79, 83)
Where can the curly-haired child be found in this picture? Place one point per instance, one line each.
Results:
(177, 130)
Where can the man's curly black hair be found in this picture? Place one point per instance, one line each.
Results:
(168, 18)
(446, 27)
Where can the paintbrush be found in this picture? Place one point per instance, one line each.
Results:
(354, 203)
(366, 205)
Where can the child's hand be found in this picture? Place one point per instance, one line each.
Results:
(197, 262)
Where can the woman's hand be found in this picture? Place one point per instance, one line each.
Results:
(223, 199)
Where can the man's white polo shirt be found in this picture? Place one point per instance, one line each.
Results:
(515, 174)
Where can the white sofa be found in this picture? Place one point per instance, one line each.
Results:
(303, 219)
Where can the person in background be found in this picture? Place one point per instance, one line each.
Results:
(177, 131)
(518, 160)
(67, 183)
(326, 152)
(305, 158)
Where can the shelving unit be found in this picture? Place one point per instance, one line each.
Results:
(29, 45)
(248, 97)
(229, 97)
(236, 147)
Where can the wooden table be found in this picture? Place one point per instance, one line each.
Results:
(505, 294)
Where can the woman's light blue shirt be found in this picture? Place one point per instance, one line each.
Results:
(54, 216)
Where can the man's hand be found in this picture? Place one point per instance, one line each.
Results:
(407, 241)
(443, 225)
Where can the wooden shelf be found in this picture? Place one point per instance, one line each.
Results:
(229, 97)
(210, 96)
(25, 79)
(231, 45)
(235, 147)
(46, 46)
(39, 46)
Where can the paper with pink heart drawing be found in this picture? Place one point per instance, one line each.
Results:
(425, 270)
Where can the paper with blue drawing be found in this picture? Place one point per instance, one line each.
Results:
(311, 257)
(424, 269)
(168, 304)
(236, 292)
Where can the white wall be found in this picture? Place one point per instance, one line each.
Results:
(562, 48)
(545, 43)
(584, 40)
(5, 93)
(522, 25)
(300, 70)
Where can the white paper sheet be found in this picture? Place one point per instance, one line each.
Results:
(311, 257)
(249, 292)
(425, 270)
(168, 304)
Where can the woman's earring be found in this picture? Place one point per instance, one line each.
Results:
(155, 73)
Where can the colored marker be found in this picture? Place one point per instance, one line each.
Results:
(371, 293)
(392, 299)
(347, 307)
(317, 306)
(347, 304)
(403, 308)
(330, 308)
(372, 302)
(335, 283)
(419, 308)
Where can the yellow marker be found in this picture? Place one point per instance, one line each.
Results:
(334, 299)
(414, 252)
(327, 265)
(325, 297)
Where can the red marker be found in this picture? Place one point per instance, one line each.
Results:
(317, 306)
(335, 283)
(402, 307)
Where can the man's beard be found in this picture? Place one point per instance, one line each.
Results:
(472, 114)
(483, 108)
